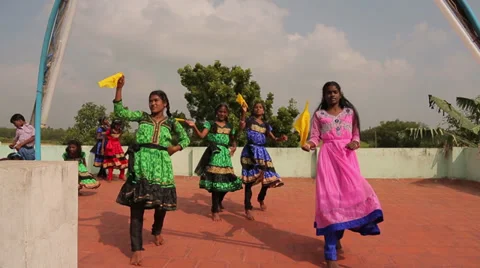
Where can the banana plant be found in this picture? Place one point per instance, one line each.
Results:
(471, 106)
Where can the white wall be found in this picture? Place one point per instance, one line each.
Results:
(461, 163)
(38, 214)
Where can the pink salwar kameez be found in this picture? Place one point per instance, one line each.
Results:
(344, 198)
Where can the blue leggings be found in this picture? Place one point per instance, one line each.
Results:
(330, 248)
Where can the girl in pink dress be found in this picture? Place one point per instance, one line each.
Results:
(344, 199)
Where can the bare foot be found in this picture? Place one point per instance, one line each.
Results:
(158, 240)
(263, 207)
(216, 217)
(332, 264)
(339, 245)
(136, 258)
(249, 215)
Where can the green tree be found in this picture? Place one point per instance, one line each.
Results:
(391, 134)
(49, 135)
(86, 123)
(282, 123)
(208, 86)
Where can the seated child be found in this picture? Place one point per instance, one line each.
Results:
(73, 152)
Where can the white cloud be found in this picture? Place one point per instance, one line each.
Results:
(248, 33)
(150, 39)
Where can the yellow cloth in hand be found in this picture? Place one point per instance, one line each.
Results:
(302, 125)
(111, 81)
(241, 101)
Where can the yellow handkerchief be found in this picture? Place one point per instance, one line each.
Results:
(111, 81)
(241, 101)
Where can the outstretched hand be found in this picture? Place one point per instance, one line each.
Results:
(282, 138)
(190, 123)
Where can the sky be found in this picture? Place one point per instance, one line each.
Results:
(388, 56)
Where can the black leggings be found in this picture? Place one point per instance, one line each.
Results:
(102, 172)
(248, 195)
(136, 225)
(217, 198)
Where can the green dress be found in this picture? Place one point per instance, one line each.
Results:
(215, 167)
(150, 180)
(85, 179)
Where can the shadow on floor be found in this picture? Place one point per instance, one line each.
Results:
(297, 247)
(114, 230)
(465, 186)
(85, 193)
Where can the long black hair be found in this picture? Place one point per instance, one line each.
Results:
(218, 107)
(163, 96)
(344, 102)
(78, 153)
(261, 102)
(264, 116)
(214, 126)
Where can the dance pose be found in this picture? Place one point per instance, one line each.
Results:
(215, 167)
(73, 152)
(257, 165)
(99, 147)
(114, 157)
(150, 183)
(344, 199)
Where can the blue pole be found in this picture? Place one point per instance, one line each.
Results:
(41, 78)
(470, 15)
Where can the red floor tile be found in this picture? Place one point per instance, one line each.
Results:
(428, 223)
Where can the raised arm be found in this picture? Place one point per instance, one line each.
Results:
(315, 135)
(243, 123)
(118, 108)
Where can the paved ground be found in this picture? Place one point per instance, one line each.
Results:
(428, 223)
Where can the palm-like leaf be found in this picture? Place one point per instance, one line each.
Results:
(470, 105)
(446, 107)
(439, 132)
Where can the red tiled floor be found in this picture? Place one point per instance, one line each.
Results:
(428, 223)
